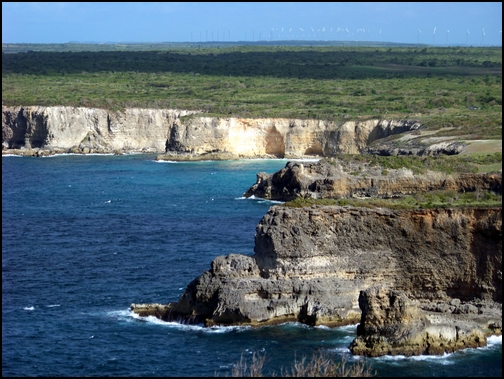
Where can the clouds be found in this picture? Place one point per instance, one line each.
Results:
(161, 22)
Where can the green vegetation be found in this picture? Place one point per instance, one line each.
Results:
(321, 365)
(449, 164)
(437, 86)
(473, 163)
(427, 200)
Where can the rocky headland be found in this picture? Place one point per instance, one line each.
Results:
(417, 280)
(336, 178)
(311, 264)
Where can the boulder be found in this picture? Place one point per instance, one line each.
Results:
(392, 323)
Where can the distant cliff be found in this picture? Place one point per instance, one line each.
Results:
(85, 130)
(282, 138)
(37, 130)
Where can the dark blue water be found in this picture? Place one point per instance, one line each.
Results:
(85, 236)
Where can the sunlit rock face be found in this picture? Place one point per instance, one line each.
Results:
(392, 324)
(338, 179)
(87, 129)
(45, 130)
(278, 137)
(310, 265)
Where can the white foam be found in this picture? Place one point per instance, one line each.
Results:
(350, 328)
(442, 359)
(259, 200)
(494, 340)
(11, 155)
(29, 308)
(227, 329)
(347, 339)
(52, 305)
(129, 315)
(65, 154)
(343, 350)
(163, 161)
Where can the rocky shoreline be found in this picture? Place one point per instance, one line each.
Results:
(417, 281)
(312, 265)
(336, 179)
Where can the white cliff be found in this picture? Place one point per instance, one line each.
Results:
(84, 130)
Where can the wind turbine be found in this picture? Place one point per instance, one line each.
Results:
(447, 37)
(419, 31)
(467, 37)
(434, 34)
(483, 36)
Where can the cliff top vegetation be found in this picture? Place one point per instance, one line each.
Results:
(449, 164)
(454, 87)
(428, 200)
(473, 163)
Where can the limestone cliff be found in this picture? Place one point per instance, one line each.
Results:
(37, 130)
(278, 137)
(84, 130)
(311, 263)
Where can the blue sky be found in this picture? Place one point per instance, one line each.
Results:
(432, 23)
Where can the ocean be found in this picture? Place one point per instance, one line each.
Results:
(83, 237)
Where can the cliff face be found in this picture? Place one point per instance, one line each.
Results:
(58, 129)
(392, 323)
(310, 264)
(336, 179)
(87, 129)
(279, 137)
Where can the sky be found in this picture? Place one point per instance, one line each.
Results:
(438, 23)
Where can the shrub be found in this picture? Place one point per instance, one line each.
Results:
(321, 365)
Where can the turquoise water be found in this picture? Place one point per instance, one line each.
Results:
(85, 236)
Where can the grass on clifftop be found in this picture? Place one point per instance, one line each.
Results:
(448, 164)
(427, 200)
(472, 163)
(458, 90)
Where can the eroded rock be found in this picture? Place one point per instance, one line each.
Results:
(337, 179)
(392, 323)
(310, 265)
(86, 130)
